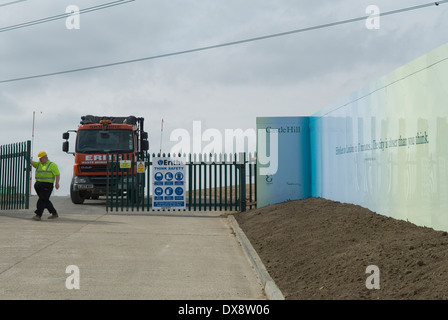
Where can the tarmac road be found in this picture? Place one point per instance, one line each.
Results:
(89, 254)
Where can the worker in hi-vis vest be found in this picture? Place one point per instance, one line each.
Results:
(47, 176)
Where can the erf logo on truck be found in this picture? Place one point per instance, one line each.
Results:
(102, 157)
(98, 138)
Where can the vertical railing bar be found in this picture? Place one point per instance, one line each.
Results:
(195, 174)
(117, 181)
(231, 183)
(216, 181)
(200, 177)
(249, 167)
(21, 176)
(148, 191)
(28, 173)
(220, 183)
(17, 176)
(1, 176)
(190, 184)
(133, 182)
(204, 166)
(13, 176)
(210, 179)
(111, 181)
(8, 184)
(237, 186)
(225, 183)
(5, 186)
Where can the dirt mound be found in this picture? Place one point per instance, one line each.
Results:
(320, 249)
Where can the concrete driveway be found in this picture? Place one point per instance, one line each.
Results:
(89, 254)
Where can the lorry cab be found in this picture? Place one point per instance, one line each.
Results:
(99, 140)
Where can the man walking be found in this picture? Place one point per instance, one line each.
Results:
(47, 173)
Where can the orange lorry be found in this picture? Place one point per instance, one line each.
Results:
(99, 139)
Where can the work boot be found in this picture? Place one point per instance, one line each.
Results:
(53, 216)
(36, 217)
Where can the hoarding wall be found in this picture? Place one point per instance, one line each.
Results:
(385, 147)
(283, 161)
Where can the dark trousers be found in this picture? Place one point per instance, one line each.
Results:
(43, 190)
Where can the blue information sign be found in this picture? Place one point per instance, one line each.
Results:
(169, 183)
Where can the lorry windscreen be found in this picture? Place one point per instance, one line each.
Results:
(99, 141)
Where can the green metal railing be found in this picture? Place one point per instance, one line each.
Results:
(15, 168)
(127, 189)
(225, 182)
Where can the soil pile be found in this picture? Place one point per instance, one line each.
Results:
(321, 249)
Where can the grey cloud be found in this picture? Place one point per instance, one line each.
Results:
(272, 77)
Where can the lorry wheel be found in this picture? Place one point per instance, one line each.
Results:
(76, 197)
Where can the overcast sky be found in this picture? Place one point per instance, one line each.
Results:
(224, 88)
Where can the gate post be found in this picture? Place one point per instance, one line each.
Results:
(28, 169)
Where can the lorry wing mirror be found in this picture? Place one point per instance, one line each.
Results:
(65, 146)
(65, 135)
(145, 145)
(145, 135)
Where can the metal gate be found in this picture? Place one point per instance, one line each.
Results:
(15, 169)
(224, 182)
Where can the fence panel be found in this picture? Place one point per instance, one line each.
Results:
(15, 168)
(126, 186)
(224, 182)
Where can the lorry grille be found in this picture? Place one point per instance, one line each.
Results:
(93, 168)
(99, 181)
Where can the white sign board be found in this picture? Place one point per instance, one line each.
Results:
(283, 160)
(168, 176)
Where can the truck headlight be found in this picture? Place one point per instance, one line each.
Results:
(80, 180)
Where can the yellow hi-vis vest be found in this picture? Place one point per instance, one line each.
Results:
(46, 172)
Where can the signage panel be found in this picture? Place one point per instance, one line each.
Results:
(283, 160)
(169, 182)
